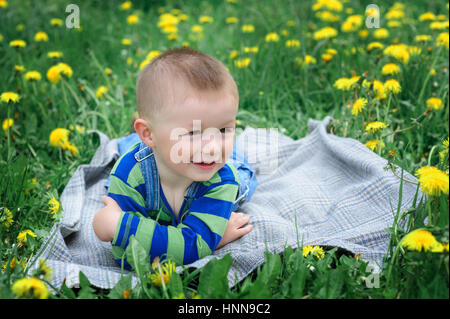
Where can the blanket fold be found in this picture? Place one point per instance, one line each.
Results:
(321, 189)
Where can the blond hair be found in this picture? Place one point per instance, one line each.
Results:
(197, 69)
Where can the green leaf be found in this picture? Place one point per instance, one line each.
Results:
(175, 285)
(66, 291)
(443, 213)
(297, 282)
(123, 284)
(213, 282)
(271, 268)
(137, 257)
(258, 290)
(86, 291)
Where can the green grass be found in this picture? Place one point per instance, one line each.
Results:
(275, 92)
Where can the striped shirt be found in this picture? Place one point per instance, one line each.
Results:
(201, 221)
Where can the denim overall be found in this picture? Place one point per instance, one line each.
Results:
(246, 175)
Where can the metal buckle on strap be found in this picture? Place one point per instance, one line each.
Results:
(136, 155)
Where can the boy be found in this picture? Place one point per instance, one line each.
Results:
(175, 191)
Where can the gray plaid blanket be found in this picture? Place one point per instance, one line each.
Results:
(334, 188)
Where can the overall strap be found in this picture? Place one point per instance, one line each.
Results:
(189, 197)
(147, 163)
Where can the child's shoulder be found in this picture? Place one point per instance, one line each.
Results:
(126, 163)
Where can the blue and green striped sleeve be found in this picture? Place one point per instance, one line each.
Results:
(195, 237)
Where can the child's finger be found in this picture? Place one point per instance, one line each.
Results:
(244, 230)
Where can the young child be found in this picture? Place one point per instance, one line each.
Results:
(176, 191)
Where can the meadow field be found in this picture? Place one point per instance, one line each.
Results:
(380, 71)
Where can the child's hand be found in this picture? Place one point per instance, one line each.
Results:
(106, 219)
(236, 228)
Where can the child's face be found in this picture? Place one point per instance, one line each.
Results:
(195, 136)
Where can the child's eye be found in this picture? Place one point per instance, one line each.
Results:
(192, 133)
(226, 129)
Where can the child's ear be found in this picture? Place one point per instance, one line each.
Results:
(144, 131)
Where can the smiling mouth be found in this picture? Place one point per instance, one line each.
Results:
(205, 166)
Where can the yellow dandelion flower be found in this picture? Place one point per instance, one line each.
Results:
(393, 14)
(8, 97)
(19, 68)
(125, 5)
(251, 49)
(233, 54)
(326, 57)
(375, 126)
(197, 28)
(65, 69)
(7, 123)
(381, 33)
(346, 84)
(248, 28)
(333, 5)
(272, 37)
(398, 51)
(231, 20)
(394, 24)
(33, 76)
(167, 20)
(422, 38)
(420, 240)
(327, 16)
(427, 16)
(306, 61)
(54, 54)
(6, 217)
(363, 34)
(390, 69)
(45, 270)
(375, 45)
(352, 23)
(433, 181)
(53, 74)
(163, 272)
(59, 136)
(126, 41)
(375, 144)
(101, 91)
(56, 22)
(41, 37)
(17, 44)
(358, 105)
(22, 237)
(70, 147)
(242, 63)
(316, 251)
(392, 86)
(132, 19)
(378, 87)
(3, 3)
(292, 43)
(53, 206)
(325, 33)
(30, 288)
(205, 19)
(434, 103)
(442, 39)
